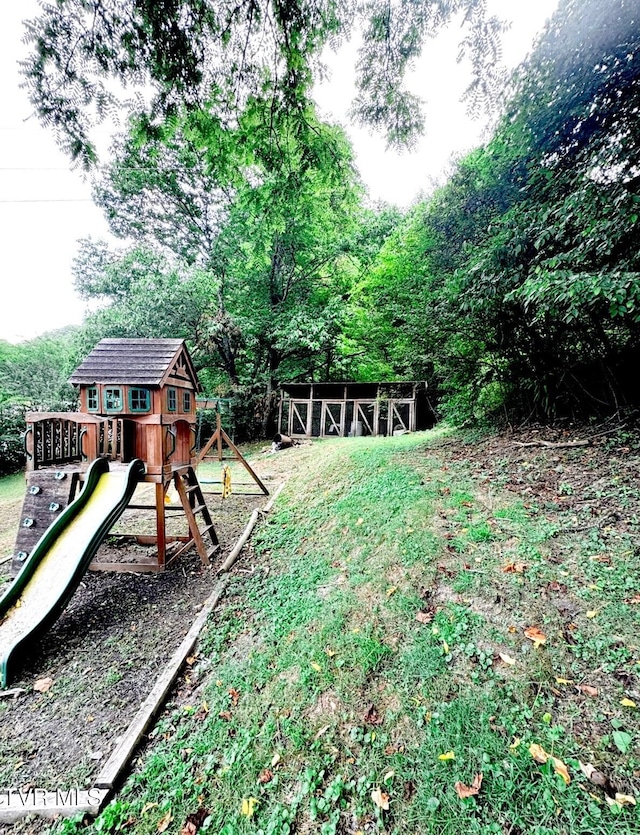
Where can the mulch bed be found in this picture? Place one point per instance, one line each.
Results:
(103, 655)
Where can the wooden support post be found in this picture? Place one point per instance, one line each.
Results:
(218, 439)
(219, 434)
(161, 530)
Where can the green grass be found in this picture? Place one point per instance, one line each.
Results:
(12, 487)
(316, 685)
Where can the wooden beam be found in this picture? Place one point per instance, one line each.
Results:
(235, 553)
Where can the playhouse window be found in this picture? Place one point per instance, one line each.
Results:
(113, 400)
(139, 400)
(186, 401)
(172, 400)
(92, 399)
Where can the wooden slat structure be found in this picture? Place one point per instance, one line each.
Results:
(215, 448)
(326, 410)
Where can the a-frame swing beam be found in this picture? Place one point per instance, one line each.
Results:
(218, 440)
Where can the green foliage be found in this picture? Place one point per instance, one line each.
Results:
(514, 288)
(33, 376)
(197, 53)
(244, 246)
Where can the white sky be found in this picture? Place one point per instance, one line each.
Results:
(45, 208)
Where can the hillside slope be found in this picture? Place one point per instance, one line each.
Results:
(423, 618)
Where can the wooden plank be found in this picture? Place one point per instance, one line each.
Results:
(161, 530)
(193, 522)
(125, 748)
(235, 553)
(239, 457)
(126, 566)
(273, 498)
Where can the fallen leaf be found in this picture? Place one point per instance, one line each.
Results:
(560, 680)
(189, 828)
(507, 658)
(533, 633)
(390, 750)
(538, 753)
(191, 660)
(275, 760)
(265, 776)
(587, 689)
(560, 768)
(621, 800)
(449, 755)
(445, 647)
(627, 702)
(248, 806)
(165, 820)
(514, 568)
(634, 601)
(43, 684)
(592, 613)
(235, 695)
(391, 590)
(541, 756)
(322, 732)
(147, 807)
(409, 790)
(468, 791)
(316, 666)
(388, 776)
(360, 521)
(372, 717)
(593, 775)
(226, 715)
(515, 744)
(622, 740)
(554, 585)
(424, 617)
(380, 798)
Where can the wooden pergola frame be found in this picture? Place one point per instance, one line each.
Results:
(380, 413)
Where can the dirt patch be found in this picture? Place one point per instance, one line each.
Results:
(106, 650)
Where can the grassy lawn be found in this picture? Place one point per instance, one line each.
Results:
(11, 496)
(416, 629)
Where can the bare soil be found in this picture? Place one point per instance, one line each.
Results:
(108, 647)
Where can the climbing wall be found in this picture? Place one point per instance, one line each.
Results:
(48, 493)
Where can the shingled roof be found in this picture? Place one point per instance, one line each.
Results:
(137, 362)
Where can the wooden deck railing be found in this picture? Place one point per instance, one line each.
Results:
(58, 438)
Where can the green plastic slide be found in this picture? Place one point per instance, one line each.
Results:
(53, 570)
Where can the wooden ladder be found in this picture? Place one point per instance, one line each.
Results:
(190, 492)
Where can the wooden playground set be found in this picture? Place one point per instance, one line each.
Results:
(137, 401)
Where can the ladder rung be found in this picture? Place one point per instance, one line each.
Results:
(198, 508)
(207, 529)
(192, 489)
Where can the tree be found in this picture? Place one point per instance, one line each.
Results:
(217, 55)
(249, 261)
(33, 376)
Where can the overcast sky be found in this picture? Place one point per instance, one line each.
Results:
(45, 208)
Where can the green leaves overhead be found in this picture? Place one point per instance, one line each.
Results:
(525, 264)
(201, 54)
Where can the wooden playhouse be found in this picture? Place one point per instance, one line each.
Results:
(137, 400)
